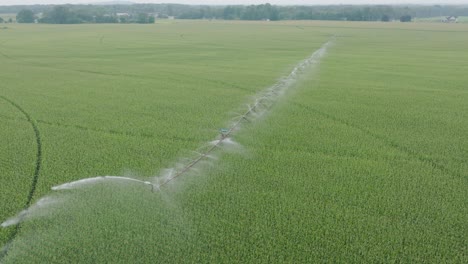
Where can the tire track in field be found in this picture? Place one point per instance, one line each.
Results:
(411, 153)
(175, 77)
(37, 169)
(111, 132)
(104, 131)
(6, 56)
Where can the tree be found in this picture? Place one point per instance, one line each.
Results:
(25, 16)
(385, 18)
(142, 18)
(231, 12)
(405, 18)
(61, 15)
(106, 19)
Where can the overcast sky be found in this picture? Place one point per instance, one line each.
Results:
(243, 2)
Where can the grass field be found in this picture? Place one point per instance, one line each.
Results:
(365, 160)
(461, 19)
(6, 17)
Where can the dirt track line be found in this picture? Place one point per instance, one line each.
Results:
(389, 142)
(6, 56)
(37, 169)
(110, 132)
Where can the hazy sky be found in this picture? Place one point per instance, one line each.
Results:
(223, 2)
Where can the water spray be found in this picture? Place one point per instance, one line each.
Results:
(260, 106)
(76, 184)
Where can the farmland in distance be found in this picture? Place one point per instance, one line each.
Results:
(364, 160)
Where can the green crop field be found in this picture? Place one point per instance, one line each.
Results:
(439, 19)
(6, 17)
(364, 159)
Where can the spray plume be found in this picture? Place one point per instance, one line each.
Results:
(30, 212)
(87, 181)
(262, 102)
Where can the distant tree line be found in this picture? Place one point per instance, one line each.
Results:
(146, 13)
(70, 14)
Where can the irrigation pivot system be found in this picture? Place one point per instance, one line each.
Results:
(261, 105)
(224, 135)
